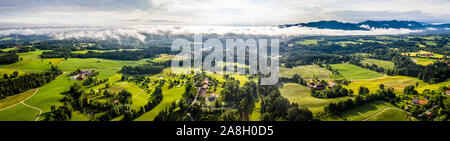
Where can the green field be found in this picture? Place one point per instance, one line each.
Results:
(391, 115)
(306, 72)
(48, 95)
(9, 72)
(6, 38)
(14, 99)
(106, 67)
(422, 61)
(423, 52)
(307, 42)
(256, 114)
(169, 96)
(362, 112)
(396, 82)
(19, 112)
(380, 63)
(299, 94)
(31, 62)
(353, 72)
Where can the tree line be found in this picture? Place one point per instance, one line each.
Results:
(339, 107)
(115, 55)
(22, 83)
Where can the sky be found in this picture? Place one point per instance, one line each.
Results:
(217, 12)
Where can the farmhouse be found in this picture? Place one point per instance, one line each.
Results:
(81, 74)
(81, 77)
(419, 101)
(331, 84)
(213, 96)
(317, 86)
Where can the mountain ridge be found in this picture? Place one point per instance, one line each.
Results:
(368, 25)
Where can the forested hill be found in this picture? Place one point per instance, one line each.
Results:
(366, 25)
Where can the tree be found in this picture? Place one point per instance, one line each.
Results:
(363, 90)
(381, 86)
(299, 114)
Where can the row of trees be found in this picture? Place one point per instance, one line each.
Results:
(12, 86)
(381, 94)
(115, 55)
(332, 92)
(141, 69)
(8, 58)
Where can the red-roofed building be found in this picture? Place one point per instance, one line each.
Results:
(331, 84)
(447, 92)
(423, 101)
(81, 77)
(419, 101)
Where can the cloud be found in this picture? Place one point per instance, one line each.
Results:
(140, 33)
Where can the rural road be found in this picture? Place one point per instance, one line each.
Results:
(381, 112)
(140, 92)
(40, 110)
(22, 102)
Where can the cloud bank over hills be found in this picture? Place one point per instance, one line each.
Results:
(142, 33)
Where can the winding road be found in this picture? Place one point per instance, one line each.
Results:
(23, 102)
(381, 112)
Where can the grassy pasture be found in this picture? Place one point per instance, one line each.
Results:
(51, 93)
(164, 57)
(391, 115)
(14, 99)
(9, 72)
(307, 42)
(299, 94)
(107, 67)
(435, 55)
(31, 61)
(256, 114)
(345, 43)
(354, 72)
(381, 63)
(361, 112)
(422, 61)
(306, 72)
(19, 112)
(396, 82)
(169, 96)
(48, 95)
(6, 38)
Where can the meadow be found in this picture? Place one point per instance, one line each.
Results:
(14, 99)
(422, 61)
(396, 82)
(412, 54)
(361, 112)
(306, 72)
(169, 96)
(391, 115)
(381, 63)
(106, 67)
(353, 72)
(299, 94)
(30, 61)
(307, 42)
